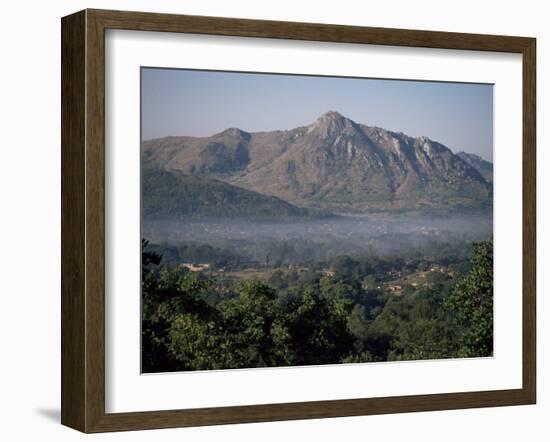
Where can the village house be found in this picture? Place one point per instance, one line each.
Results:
(194, 267)
(394, 288)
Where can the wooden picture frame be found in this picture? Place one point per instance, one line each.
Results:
(83, 220)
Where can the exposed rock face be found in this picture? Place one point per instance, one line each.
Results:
(484, 167)
(333, 164)
(226, 152)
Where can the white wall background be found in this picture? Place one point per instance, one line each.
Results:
(30, 217)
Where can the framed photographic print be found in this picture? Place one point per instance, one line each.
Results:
(268, 221)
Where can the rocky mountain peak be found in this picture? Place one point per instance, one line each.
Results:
(235, 132)
(334, 164)
(331, 115)
(331, 124)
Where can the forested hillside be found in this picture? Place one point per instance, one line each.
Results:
(172, 194)
(346, 310)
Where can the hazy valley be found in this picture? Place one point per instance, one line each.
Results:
(346, 241)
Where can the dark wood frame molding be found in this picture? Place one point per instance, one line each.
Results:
(83, 216)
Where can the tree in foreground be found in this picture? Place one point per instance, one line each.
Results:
(471, 300)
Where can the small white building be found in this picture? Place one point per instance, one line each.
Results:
(192, 267)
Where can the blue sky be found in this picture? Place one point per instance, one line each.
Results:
(201, 103)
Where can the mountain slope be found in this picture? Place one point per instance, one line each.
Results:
(172, 194)
(484, 167)
(333, 164)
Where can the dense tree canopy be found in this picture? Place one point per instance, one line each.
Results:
(472, 301)
(190, 322)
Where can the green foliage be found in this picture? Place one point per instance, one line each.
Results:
(172, 195)
(305, 318)
(196, 342)
(256, 332)
(471, 301)
(166, 295)
(202, 253)
(318, 328)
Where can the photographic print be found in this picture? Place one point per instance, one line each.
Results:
(298, 220)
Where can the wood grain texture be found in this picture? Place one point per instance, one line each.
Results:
(83, 220)
(144, 21)
(95, 222)
(529, 221)
(73, 254)
(307, 410)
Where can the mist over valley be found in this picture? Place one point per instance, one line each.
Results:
(335, 242)
(332, 188)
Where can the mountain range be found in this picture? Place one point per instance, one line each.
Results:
(484, 167)
(332, 165)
